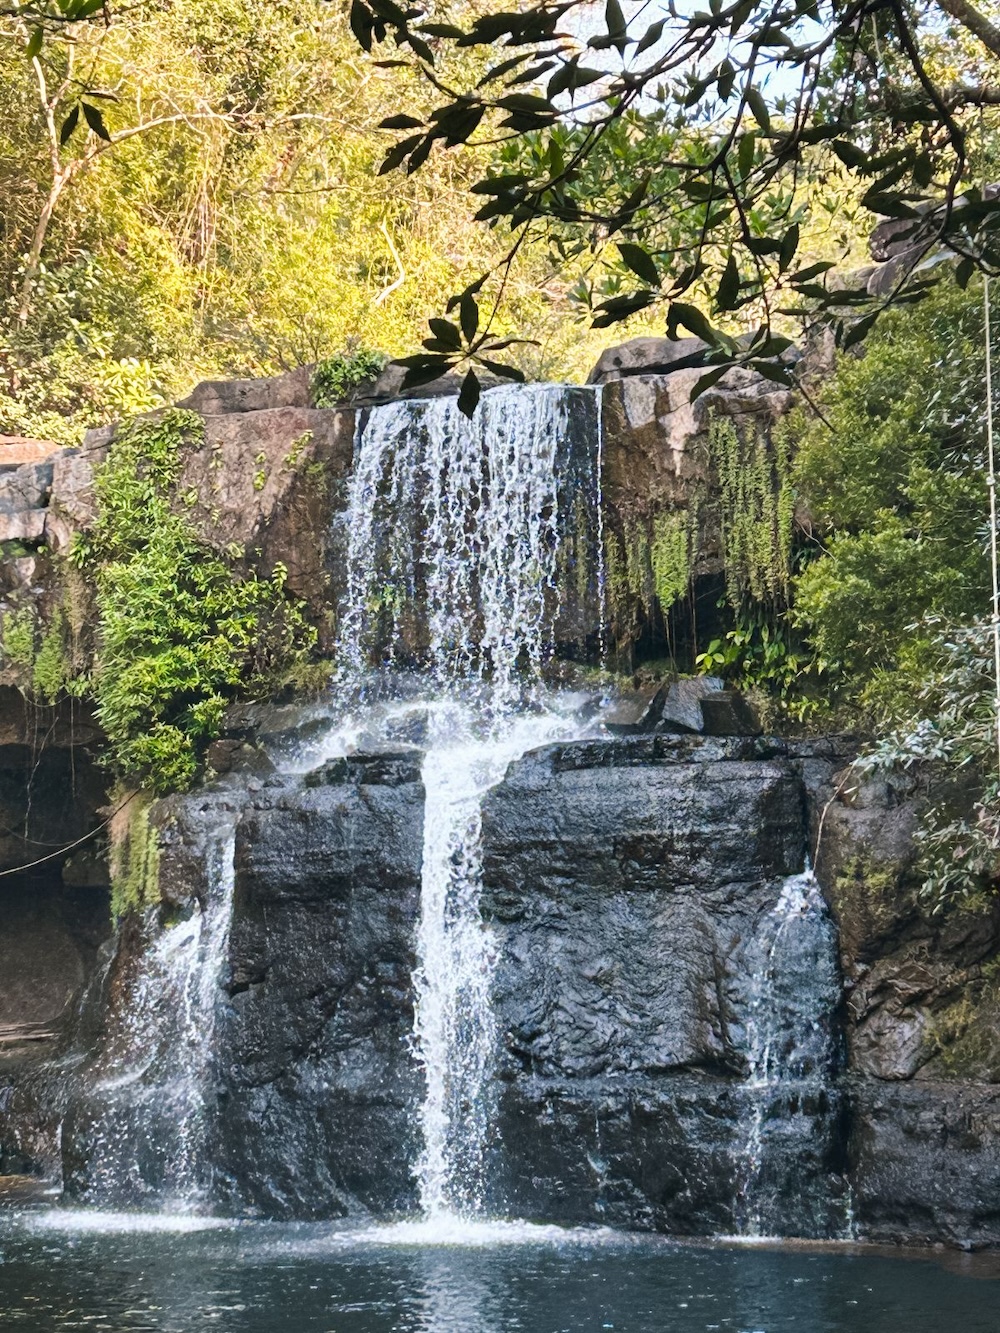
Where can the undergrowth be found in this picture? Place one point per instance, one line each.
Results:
(334, 378)
(182, 628)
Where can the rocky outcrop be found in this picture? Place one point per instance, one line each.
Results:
(319, 1084)
(303, 1103)
(628, 884)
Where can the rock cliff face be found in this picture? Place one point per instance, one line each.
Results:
(630, 884)
(635, 887)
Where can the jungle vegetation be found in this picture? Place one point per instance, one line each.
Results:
(239, 186)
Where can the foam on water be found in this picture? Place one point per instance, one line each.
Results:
(453, 1232)
(84, 1221)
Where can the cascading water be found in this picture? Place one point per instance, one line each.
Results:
(467, 520)
(454, 535)
(792, 1055)
(151, 1117)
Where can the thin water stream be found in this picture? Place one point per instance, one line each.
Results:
(152, 1105)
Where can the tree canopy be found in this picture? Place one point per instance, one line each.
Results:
(678, 152)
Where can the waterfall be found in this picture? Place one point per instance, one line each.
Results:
(454, 528)
(467, 521)
(151, 1118)
(791, 1058)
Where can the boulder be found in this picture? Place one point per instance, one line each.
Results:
(16, 450)
(24, 496)
(927, 1163)
(626, 884)
(648, 356)
(222, 397)
(727, 713)
(320, 1084)
(682, 708)
(636, 711)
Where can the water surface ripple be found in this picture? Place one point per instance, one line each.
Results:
(110, 1272)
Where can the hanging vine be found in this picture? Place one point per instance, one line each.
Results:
(757, 505)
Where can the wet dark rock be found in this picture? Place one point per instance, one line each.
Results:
(318, 1083)
(926, 1162)
(388, 766)
(682, 708)
(727, 713)
(637, 711)
(625, 910)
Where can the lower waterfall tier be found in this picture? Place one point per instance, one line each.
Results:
(636, 894)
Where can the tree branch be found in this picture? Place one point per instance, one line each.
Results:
(976, 23)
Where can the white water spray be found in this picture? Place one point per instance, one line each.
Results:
(153, 1127)
(462, 518)
(790, 1046)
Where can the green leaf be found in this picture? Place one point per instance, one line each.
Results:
(446, 332)
(401, 123)
(963, 273)
(651, 36)
(95, 120)
(394, 157)
(850, 154)
(682, 315)
(468, 397)
(69, 124)
(727, 76)
(745, 153)
(728, 293)
(859, 331)
(789, 244)
(34, 43)
(447, 30)
(778, 374)
(362, 24)
(469, 317)
(640, 262)
(614, 20)
(756, 103)
(707, 382)
(504, 371)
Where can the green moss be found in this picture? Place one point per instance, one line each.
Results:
(869, 893)
(674, 535)
(52, 669)
(299, 446)
(135, 862)
(334, 378)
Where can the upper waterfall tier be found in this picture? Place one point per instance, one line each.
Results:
(467, 541)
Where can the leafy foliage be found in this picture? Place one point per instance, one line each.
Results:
(950, 731)
(334, 378)
(894, 481)
(757, 506)
(233, 222)
(717, 214)
(762, 654)
(181, 629)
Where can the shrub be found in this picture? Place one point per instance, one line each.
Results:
(334, 378)
(181, 628)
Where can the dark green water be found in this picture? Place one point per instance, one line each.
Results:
(251, 1278)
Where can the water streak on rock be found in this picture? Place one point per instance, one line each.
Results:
(791, 1050)
(152, 1113)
